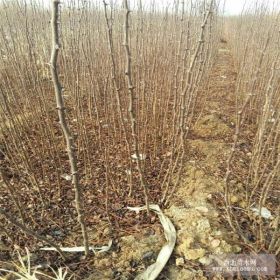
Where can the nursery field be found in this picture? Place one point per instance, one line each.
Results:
(138, 140)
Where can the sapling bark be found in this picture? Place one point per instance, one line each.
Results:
(63, 122)
(132, 101)
(117, 88)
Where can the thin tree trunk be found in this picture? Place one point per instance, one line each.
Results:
(62, 119)
(132, 109)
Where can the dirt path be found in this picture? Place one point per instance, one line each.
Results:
(200, 229)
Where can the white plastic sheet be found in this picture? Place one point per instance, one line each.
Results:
(153, 271)
(101, 249)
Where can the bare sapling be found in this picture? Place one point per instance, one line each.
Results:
(184, 110)
(117, 90)
(132, 103)
(63, 122)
